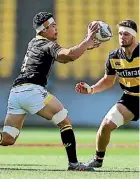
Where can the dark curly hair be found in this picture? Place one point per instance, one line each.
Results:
(40, 18)
(128, 23)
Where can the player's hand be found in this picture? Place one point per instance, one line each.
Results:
(92, 42)
(92, 29)
(83, 88)
(1, 58)
(95, 44)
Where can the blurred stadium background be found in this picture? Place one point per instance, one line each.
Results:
(72, 18)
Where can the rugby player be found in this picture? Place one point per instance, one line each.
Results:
(28, 93)
(123, 64)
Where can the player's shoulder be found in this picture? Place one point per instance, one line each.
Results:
(138, 43)
(43, 44)
(115, 53)
(38, 41)
(138, 47)
(34, 42)
(136, 51)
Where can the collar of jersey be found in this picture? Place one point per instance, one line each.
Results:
(41, 37)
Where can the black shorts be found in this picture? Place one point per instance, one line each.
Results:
(132, 104)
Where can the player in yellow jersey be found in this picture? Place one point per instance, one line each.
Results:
(123, 64)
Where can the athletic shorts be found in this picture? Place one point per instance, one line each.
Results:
(132, 104)
(27, 98)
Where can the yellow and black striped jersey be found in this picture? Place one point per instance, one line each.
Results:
(127, 70)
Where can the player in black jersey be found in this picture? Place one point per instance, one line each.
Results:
(28, 93)
(122, 63)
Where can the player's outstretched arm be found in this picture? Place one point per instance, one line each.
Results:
(73, 53)
(104, 83)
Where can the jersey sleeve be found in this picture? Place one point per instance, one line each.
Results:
(108, 68)
(55, 49)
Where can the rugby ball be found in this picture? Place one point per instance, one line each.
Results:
(104, 33)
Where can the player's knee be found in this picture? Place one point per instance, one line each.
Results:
(114, 118)
(108, 125)
(60, 116)
(9, 135)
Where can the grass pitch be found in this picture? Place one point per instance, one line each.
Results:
(38, 153)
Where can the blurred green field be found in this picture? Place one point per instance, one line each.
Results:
(38, 153)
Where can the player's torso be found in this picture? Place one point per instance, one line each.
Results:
(127, 70)
(37, 63)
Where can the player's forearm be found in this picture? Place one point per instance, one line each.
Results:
(76, 51)
(73, 53)
(101, 85)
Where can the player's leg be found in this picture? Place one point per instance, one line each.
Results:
(55, 112)
(12, 125)
(36, 100)
(13, 121)
(123, 112)
(117, 116)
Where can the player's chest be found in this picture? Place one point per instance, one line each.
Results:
(118, 64)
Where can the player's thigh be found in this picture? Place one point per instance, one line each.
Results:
(14, 120)
(51, 108)
(127, 114)
(117, 116)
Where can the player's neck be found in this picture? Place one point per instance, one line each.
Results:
(129, 50)
(41, 37)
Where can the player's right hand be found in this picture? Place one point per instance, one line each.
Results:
(83, 88)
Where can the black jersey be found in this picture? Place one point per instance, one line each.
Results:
(39, 59)
(127, 70)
